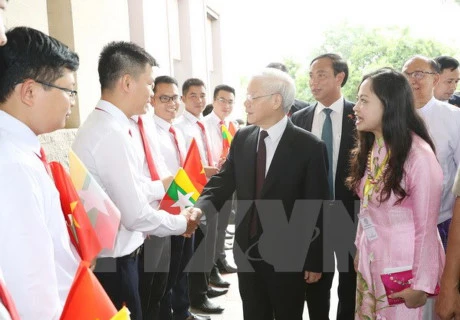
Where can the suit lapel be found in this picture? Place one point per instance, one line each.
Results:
(348, 127)
(309, 118)
(249, 153)
(279, 158)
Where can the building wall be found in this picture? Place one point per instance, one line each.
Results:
(174, 31)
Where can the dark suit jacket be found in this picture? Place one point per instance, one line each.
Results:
(304, 119)
(455, 100)
(297, 171)
(298, 105)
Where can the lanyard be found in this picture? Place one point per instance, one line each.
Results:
(370, 184)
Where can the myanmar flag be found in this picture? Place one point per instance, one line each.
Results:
(194, 167)
(180, 195)
(81, 231)
(227, 138)
(102, 212)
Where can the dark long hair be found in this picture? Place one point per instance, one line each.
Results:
(399, 121)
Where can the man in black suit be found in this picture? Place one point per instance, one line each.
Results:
(283, 168)
(328, 73)
(298, 104)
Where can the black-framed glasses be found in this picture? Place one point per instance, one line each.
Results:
(72, 93)
(418, 75)
(166, 99)
(225, 101)
(250, 98)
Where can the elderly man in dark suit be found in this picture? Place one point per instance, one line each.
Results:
(277, 248)
(331, 119)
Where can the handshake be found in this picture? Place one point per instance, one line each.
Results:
(193, 216)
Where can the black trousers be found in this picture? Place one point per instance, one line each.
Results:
(267, 294)
(318, 295)
(175, 302)
(120, 279)
(154, 264)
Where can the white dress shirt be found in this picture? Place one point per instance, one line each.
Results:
(443, 123)
(168, 146)
(37, 258)
(272, 140)
(213, 128)
(336, 118)
(187, 123)
(107, 149)
(154, 190)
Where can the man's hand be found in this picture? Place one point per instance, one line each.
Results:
(312, 277)
(448, 303)
(210, 171)
(193, 216)
(221, 163)
(412, 298)
(167, 182)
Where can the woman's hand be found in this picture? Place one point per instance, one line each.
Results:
(412, 298)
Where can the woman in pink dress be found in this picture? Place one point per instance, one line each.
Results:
(399, 181)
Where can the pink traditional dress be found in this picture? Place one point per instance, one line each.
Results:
(403, 235)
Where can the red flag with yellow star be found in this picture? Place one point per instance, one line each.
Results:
(79, 226)
(194, 167)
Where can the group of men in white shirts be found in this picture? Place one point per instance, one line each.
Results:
(37, 260)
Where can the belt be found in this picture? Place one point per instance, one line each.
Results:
(133, 254)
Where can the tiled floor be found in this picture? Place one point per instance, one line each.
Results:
(232, 301)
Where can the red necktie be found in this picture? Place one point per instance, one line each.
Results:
(148, 154)
(7, 301)
(45, 161)
(181, 158)
(260, 178)
(205, 140)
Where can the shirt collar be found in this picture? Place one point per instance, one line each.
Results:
(337, 106)
(20, 131)
(165, 125)
(190, 117)
(428, 105)
(215, 118)
(276, 131)
(115, 112)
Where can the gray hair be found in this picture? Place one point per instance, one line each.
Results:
(276, 81)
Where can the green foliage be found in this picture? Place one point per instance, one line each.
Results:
(365, 50)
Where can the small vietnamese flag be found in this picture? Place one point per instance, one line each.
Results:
(87, 299)
(194, 167)
(81, 231)
(181, 194)
(232, 129)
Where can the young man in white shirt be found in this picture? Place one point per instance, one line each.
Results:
(175, 303)
(106, 146)
(192, 127)
(36, 95)
(224, 99)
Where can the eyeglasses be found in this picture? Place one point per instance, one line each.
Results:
(166, 99)
(418, 75)
(250, 98)
(72, 93)
(223, 100)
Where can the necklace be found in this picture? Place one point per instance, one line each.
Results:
(380, 172)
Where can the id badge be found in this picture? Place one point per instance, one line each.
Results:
(368, 226)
